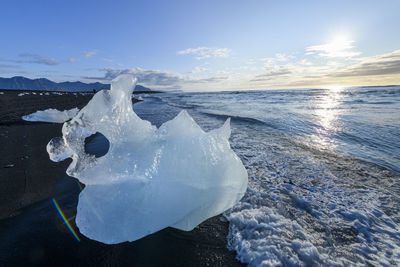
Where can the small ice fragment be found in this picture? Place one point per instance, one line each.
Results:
(51, 115)
(176, 175)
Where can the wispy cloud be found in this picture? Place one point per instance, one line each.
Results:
(337, 48)
(207, 80)
(72, 59)
(199, 69)
(384, 64)
(90, 53)
(38, 59)
(380, 69)
(279, 58)
(156, 78)
(205, 52)
(276, 71)
(9, 69)
(305, 62)
(283, 57)
(6, 66)
(106, 60)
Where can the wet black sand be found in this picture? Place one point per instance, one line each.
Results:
(32, 232)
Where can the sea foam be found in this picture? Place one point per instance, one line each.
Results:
(151, 178)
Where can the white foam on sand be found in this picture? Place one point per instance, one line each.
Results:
(51, 115)
(151, 178)
(315, 221)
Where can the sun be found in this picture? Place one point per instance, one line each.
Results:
(340, 43)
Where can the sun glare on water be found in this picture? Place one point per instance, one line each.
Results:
(335, 88)
(327, 113)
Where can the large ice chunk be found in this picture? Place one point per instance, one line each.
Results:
(176, 175)
(51, 115)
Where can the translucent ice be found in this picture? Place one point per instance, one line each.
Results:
(51, 115)
(176, 175)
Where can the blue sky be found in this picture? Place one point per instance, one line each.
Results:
(204, 45)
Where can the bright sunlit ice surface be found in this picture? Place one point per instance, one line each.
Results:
(151, 178)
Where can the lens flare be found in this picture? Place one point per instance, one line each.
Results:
(66, 221)
(79, 185)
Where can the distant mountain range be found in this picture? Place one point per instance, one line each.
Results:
(23, 83)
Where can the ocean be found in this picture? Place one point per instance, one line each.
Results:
(323, 166)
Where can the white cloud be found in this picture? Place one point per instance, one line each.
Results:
(155, 79)
(205, 80)
(283, 57)
(199, 69)
(72, 59)
(205, 52)
(149, 77)
(38, 59)
(272, 73)
(305, 62)
(271, 62)
(384, 64)
(375, 70)
(6, 66)
(6, 69)
(106, 59)
(160, 80)
(90, 53)
(339, 47)
(251, 62)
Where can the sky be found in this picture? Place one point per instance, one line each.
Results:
(204, 45)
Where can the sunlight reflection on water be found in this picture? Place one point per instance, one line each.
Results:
(327, 112)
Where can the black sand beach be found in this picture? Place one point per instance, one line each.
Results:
(31, 230)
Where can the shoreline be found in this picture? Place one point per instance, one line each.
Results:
(31, 231)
